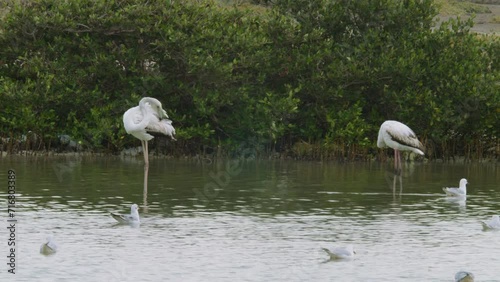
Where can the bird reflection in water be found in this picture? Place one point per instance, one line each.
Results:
(145, 192)
(392, 179)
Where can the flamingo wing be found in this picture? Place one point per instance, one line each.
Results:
(398, 136)
(163, 126)
(403, 135)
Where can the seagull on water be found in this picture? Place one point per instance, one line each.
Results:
(464, 276)
(461, 191)
(400, 137)
(341, 252)
(493, 223)
(49, 247)
(132, 218)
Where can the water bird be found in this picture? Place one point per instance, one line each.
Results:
(132, 218)
(464, 276)
(493, 223)
(400, 137)
(146, 119)
(341, 252)
(461, 191)
(48, 247)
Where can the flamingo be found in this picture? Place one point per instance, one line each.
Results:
(341, 252)
(400, 137)
(49, 247)
(131, 218)
(464, 276)
(461, 191)
(146, 119)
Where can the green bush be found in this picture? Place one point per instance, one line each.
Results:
(272, 77)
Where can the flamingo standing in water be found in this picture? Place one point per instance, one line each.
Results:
(146, 119)
(400, 137)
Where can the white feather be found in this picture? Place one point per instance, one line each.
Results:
(163, 126)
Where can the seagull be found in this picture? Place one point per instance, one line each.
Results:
(146, 119)
(49, 247)
(341, 252)
(400, 137)
(464, 276)
(493, 223)
(457, 192)
(132, 218)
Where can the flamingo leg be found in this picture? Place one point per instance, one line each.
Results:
(145, 153)
(397, 161)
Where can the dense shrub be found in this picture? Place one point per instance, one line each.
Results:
(318, 73)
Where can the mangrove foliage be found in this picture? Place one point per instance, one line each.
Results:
(308, 79)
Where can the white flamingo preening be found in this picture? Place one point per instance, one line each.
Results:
(398, 136)
(146, 119)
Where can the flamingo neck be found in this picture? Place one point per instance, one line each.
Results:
(145, 117)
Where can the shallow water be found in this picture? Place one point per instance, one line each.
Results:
(249, 221)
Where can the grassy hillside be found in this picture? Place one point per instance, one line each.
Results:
(486, 16)
(453, 7)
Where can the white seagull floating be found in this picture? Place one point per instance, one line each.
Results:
(146, 119)
(400, 137)
(49, 247)
(493, 223)
(461, 191)
(464, 276)
(341, 252)
(132, 218)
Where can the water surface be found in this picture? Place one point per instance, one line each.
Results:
(249, 220)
